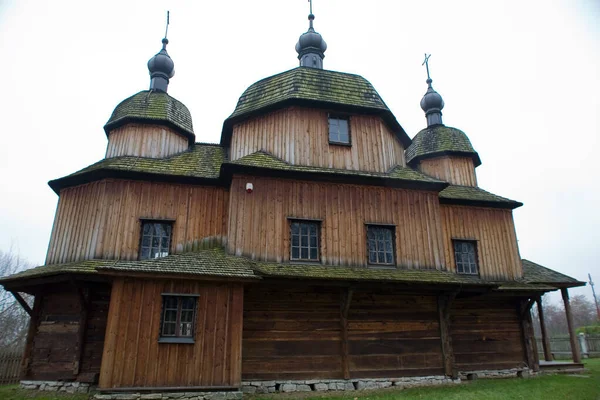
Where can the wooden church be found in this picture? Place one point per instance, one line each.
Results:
(316, 247)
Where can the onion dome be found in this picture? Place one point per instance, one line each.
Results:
(161, 68)
(311, 47)
(432, 103)
(153, 107)
(440, 140)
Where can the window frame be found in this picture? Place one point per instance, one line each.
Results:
(177, 337)
(344, 117)
(317, 223)
(143, 221)
(392, 229)
(475, 251)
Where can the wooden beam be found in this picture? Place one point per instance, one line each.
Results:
(346, 299)
(23, 303)
(31, 331)
(444, 305)
(527, 334)
(545, 339)
(84, 304)
(574, 344)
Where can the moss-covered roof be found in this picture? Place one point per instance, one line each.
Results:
(81, 267)
(152, 107)
(264, 160)
(202, 161)
(469, 195)
(439, 140)
(535, 273)
(306, 86)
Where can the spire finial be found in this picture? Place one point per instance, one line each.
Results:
(426, 64)
(311, 46)
(311, 16)
(161, 66)
(167, 28)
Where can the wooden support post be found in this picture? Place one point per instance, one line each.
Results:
(346, 299)
(82, 327)
(574, 344)
(444, 304)
(545, 339)
(33, 325)
(527, 334)
(22, 302)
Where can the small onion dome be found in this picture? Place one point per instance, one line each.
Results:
(432, 101)
(153, 107)
(439, 140)
(311, 42)
(161, 68)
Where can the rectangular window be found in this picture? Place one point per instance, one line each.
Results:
(339, 130)
(380, 244)
(304, 240)
(178, 318)
(465, 255)
(156, 239)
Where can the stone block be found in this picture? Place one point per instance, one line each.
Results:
(83, 389)
(151, 396)
(70, 389)
(51, 389)
(126, 396)
(348, 386)
(383, 385)
(102, 397)
(262, 390)
(249, 389)
(288, 387)
(176, 395)
(234, 395)
(366, 385)
(303, 388)
(321, 387)
(272, 389)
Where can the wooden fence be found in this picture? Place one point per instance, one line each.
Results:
(589, 345)
(10, 363)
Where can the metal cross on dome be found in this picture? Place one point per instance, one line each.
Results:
(310, 1)
(167, 28)
(426, 64)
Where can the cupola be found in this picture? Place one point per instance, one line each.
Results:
(441, 151)
(311, 46)
(151, 123)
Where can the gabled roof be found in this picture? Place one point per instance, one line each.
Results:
(201, 163)
(440, 140)
(152, 107)
(312, 87)
(397, 177)
(535, 273)
(474, 196)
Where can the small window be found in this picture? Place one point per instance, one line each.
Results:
(380, 244)
(465, 255)
(339, 130)
(178, 318)
(305, 241)
(156, 239)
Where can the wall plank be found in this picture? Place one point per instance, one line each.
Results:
(145, 140)
(456, 170)
(300, 136)
(102, 219)
(344, 210)
(133, 357)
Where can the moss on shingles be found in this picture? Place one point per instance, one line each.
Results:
(436, 140)
(535, 273)
(81, 267)
(471, 193)
(310, 84)
(202, 161)
(152, 106)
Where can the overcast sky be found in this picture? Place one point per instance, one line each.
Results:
(519, 77)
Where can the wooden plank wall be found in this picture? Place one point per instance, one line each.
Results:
(494, 231)
(456, 170)
(259, 228)
(393, 334)
(486, 333)
(143, 140)
(95, 329)
(291, 333)
(300, 136)
(102, 219)
(134, 358)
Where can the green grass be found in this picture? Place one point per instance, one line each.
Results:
(585, 386)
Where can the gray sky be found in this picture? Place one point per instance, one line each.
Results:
(519, 77)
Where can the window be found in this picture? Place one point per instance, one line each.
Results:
(305, 241)
(380, 244)
(339, 130)
(178, 317)
(465, 255)
(156, 239)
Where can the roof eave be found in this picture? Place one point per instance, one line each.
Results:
(471, 154)
(189, 135)
(509, 205)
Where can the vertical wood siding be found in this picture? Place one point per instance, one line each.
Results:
(259, 228)
(142, 140)
(494, 230)
(134, 358)
(456, 170)
(486, 334)
(300, 136)
(102, 219)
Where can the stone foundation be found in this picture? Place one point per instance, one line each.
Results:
(324, 385)
(57, 386)
(495, 374)
(170, 395)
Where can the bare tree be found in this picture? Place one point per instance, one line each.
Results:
(13, 319)
(556, 320)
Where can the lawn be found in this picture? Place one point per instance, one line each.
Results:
(550, 387)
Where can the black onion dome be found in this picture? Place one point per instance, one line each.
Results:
(311, 41)
(431, 101)
(161, 66)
